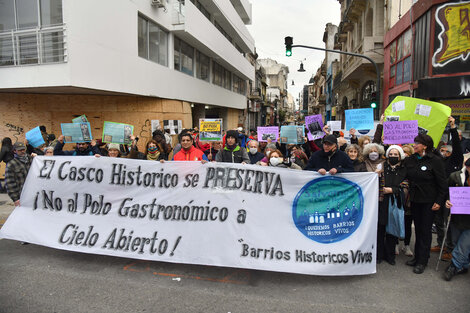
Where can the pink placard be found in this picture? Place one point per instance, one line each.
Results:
(268, 132)
(460, 199)
(400, 132)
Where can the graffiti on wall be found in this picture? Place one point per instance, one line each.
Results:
(454, 38)
(14, 130)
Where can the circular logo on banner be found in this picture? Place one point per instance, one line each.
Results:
(328, 209)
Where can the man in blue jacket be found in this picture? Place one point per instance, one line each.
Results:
(330, 159)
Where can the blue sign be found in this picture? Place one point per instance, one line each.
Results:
(328, 209)
(34, 137)
(360, 119)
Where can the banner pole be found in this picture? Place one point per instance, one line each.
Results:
(443, 242)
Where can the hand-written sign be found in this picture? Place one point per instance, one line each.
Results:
(400, 132)
(209, 214)
(34, 137)
(460, 199)
(360, 119)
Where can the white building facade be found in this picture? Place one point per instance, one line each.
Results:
(185, 59)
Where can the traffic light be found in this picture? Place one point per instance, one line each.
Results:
(373, 100)
(288, 43)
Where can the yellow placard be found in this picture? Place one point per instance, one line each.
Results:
(210, 126)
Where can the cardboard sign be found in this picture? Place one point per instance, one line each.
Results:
(360, 119)
(292, 134)
(460, 199)
(432, 116)
(264, 133)
(314, 124)
(210, 129)
(34, 137)
(400, 132)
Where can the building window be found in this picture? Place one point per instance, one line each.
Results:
(400, 59)
(184, 57)
(202, 66)
(152, 41)
(220, 76)
(33, 29)
(239, 85)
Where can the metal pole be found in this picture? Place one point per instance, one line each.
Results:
(443, 242)
(353, 54)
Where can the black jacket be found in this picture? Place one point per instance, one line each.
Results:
(427, 178)
(359, 166)
(393, 177)
(254, 158)
(455, 161)
(338, 160)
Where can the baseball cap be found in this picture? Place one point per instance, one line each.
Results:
(330, 139)
(19, 146)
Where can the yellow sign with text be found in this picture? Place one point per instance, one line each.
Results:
(210, 126)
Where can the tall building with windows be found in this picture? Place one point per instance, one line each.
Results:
(123, 61)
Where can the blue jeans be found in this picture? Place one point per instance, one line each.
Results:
(460, 254)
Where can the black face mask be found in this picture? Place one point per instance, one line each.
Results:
(393, 160)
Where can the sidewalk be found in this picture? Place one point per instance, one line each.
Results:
(6, 207)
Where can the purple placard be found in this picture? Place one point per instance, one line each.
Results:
(400, 132)
(268, 132)
(314, 124)
(460, 199)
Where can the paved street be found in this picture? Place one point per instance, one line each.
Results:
(40, 279)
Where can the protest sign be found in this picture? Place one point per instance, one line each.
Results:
(80, 119)
(117, 133)
(334, 125)
(460, 199)
(76, 132)
(266, 132)
(34, 137)
(432, 116)
(400, 132)
(314, 125)
(232, 215)
(360, 119)
(293, 134)
(210, 129)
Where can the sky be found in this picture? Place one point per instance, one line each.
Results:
(305, 21)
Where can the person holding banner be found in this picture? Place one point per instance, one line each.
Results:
(82, 149)
(188, 152)
(427, 178)
(153, 151)
(330, 159)
(460, 228)
(354, 153)
(232, 152)
(254, 155)
(395, 188)
(16, 172)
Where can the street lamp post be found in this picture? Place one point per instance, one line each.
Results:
(289, 40)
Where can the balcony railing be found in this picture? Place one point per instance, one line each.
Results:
(33, 46)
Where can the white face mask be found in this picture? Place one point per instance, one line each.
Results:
(373, 156)
(253, 150)
(268, 153)
(275, 161)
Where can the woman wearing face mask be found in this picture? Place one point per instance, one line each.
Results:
(395, 187)
(373, 157)
(297, 156)
(270, 147)
(152, 152)
(354, 153)
(276, 159)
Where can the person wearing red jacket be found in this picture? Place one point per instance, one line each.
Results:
(188, 152)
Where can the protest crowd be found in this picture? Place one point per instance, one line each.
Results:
(415, 177)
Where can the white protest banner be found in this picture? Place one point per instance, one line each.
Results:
(233, 215)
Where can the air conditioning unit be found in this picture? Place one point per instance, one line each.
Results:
(159, 3)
